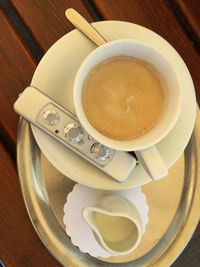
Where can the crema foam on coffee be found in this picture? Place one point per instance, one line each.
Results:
(123, 97)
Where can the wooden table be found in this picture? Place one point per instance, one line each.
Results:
(27, 29)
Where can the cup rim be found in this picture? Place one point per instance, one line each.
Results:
(122, 145)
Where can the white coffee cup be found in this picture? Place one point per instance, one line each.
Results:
(116, 223)
(144, 146)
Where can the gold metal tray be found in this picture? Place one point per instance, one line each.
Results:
(174, 206)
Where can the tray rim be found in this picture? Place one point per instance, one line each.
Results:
(165, 259)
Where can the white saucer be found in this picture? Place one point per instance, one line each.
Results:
(55, 75)
(76, 227)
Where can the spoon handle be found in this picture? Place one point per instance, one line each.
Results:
(84, 26)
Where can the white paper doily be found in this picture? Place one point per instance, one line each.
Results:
(76, 227)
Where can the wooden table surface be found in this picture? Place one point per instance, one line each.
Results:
(27, 29)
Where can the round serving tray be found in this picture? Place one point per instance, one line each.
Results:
(173, 202)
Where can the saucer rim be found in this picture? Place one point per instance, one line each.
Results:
(42, 137)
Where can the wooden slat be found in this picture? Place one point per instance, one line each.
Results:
(46, 18)
(191, 13)
(17, 68)
(19, 244)
(159, 18)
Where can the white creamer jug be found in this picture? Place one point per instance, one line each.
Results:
(116, 223)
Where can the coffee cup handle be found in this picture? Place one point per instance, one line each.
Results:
(152, 162)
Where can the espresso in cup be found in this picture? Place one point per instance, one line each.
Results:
(128, 96)
(123, 97)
